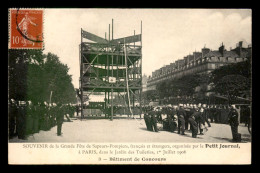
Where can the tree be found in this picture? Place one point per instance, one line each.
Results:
(183, 87)
(56, 79)
(19, 64)
(150, 95)
(33, 75)
(162, 89)
(203, 88)
(232, 80)
(241, 68)
(232, 86)
(187, 84)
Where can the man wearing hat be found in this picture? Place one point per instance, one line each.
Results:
(147, 119)
(159, 114)
(193, 126)
(21, 120)
(59, 118)
(29, 117)
(199, 120)
(188, 114)
(205, 114)
(181, 121)
(233, 121)
(171, 118)
(247, 115)
(211, 113)
(41, 112)
(153, 120)
(12, 117)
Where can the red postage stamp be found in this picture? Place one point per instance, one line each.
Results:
(26, 29)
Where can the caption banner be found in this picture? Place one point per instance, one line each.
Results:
(114, 153)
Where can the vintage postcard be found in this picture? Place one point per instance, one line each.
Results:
(129, 86)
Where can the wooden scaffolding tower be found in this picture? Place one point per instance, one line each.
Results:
(111, 66)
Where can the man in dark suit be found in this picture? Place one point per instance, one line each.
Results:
(147, 120)
(197, 125)
(214, 113)
(206, 114)
(21, 120)
(12, 117)
(159, 113)
(171, 117)
(29, 117)
(188, 114)
(199, 118)
(153, 113)
(246, 114)
(181, 121)
(233, 121)
(59, 118)
(193, 126)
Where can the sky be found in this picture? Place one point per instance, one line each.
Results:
(167, 34)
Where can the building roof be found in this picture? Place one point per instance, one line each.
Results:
(197, 55)
(231, 53)
(191, 57)
(214, 53)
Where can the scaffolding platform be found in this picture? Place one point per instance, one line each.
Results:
(112, 67)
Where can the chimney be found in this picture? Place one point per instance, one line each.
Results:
(239, 48)
(221, 49)
(196, 55)
(205, 51)
(249, 54)
(240, 44)
(186, 60)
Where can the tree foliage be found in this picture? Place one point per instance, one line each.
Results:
(232, 80)
(232, 86)
(33, 75)
(184, 86)
(241, 68)
(179, 90)
(150, 95)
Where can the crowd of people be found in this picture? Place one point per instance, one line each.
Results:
(196, 118)
(26, 117)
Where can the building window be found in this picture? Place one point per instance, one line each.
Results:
(212, 66)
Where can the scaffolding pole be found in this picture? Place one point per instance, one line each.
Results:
(81, 76)
(141, 72)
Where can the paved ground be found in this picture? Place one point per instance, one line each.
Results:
(127, 130)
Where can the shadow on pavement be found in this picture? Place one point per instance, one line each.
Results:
(145, 129)
(142, 128)
(224, 139)
(246, 138)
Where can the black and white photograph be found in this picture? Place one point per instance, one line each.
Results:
(107, 76)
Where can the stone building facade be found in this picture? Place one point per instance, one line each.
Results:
(199, 62)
